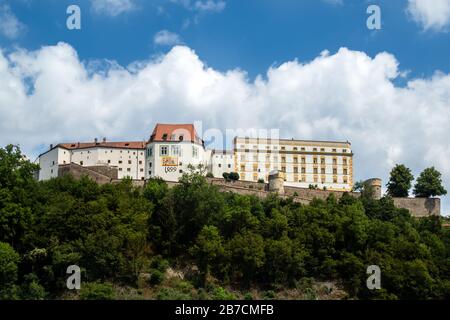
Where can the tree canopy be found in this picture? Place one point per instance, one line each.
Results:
(400, 181)
(429, 184)
(118, 233)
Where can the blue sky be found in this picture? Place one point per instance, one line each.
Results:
(251, 34)
(310, 68)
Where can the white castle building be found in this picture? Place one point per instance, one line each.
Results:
(171, 148)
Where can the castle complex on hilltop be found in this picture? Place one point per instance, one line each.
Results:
(172, 147)
(288, 167)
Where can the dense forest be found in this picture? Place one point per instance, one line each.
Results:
(126, 239)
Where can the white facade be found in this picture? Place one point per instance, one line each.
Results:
(169, 160)
(221, 161)
(50, 161)
(172, 148)
(130, 162)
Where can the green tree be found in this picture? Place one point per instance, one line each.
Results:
(400, 181)
(9, 260)
(234, 176)
(429, 184)
(97, 291)
(208, 249)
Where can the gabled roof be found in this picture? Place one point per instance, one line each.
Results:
(121, 145)
(175, 133)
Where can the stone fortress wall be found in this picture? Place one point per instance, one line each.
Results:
(418, 207)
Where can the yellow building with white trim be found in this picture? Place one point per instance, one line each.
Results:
(325, 164)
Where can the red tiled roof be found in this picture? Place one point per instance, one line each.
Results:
(175, 132)
(122, 145)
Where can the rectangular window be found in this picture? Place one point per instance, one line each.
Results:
(345, 171)
(176, 151)
(315, 171)
(322, 170)
(303, 170)
(163, 150)
(295, 170)
(129, 161)
(194, 152)
(150, 151)
(334, 171)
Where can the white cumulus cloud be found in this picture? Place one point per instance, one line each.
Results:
(49, 96)
(112, 7)
(10, 26)
(166, 38)
(431, 15)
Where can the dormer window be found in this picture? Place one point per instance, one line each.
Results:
(181, 138)
(164, 136)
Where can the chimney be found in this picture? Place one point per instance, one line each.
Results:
(104, 140)
(96, 141)
(51, 146)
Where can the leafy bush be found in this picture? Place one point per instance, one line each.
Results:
(97, 291)
(222, 294)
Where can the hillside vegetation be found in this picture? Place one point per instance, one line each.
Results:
(194, 242)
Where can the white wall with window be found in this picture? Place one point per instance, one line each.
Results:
(169, 160)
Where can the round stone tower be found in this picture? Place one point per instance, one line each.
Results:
(276, 181)
(375, 183)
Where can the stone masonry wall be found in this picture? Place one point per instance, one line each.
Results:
(420, 207)
(78, 171)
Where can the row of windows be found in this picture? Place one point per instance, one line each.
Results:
(111, 151)
(345, 171)
(302, 179)
(295, 160)
(109, 162)
(174, 151)
(129, 169)
(283, 148)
